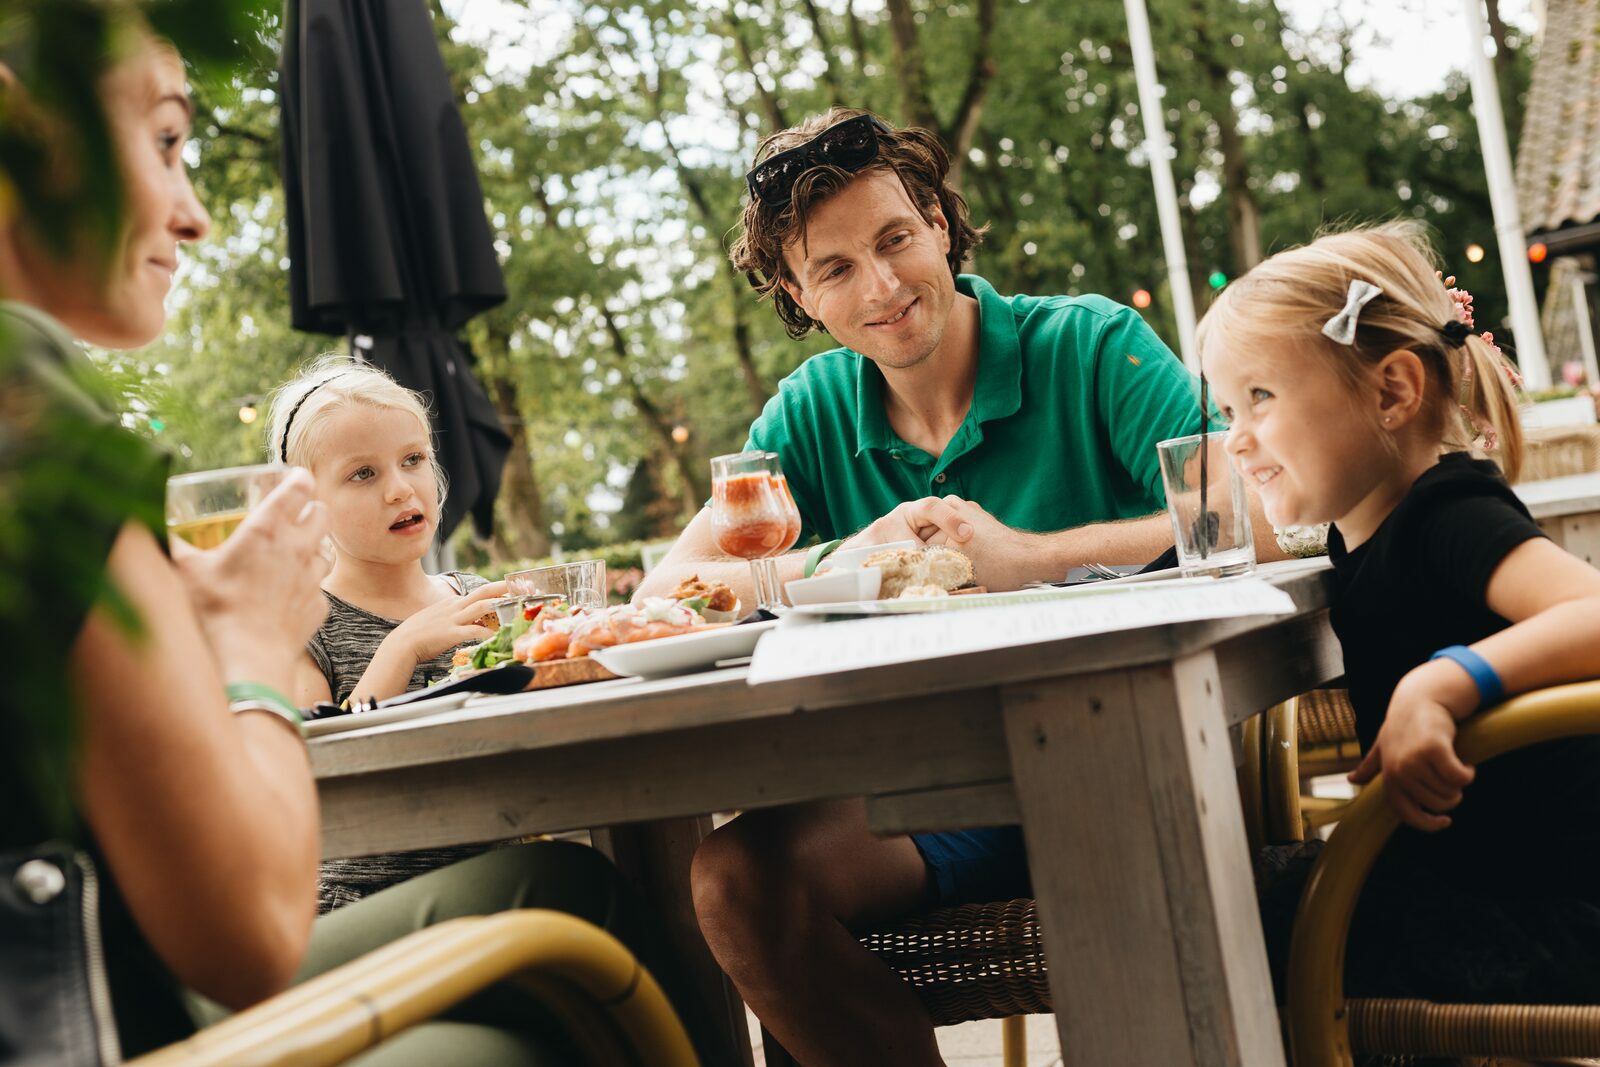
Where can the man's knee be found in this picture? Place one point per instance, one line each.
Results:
(733, 878)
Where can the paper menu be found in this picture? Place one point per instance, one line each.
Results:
(796, 651)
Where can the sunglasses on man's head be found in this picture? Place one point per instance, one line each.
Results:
(848, 145)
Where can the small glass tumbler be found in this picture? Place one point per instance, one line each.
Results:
(1208, 506)
(582, 582)
(205, 508)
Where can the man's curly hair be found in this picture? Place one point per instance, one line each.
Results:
(913, 154)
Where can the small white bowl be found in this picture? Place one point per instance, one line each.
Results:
(851, 559)
(835, 587)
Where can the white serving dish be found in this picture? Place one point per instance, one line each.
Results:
(686, 652)
(851, 559)
(859, 583)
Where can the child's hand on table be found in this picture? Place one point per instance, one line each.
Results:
(1415, 749)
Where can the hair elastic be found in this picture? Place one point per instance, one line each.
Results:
(1455, 333)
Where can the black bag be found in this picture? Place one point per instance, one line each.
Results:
(55, 1001)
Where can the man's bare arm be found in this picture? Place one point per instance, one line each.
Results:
(1005, 559)
(696, 551)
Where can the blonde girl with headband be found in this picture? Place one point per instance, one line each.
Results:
(391, 626)
(1359, 393)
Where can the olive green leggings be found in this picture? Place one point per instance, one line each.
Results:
(503, 1024)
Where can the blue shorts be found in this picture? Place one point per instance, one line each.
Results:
(976, 866)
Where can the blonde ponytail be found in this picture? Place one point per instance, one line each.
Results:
(1488, 402)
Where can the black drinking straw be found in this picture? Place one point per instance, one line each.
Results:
(1203, 523)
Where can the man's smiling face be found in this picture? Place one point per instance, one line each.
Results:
(873, 272)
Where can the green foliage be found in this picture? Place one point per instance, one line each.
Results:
(612, 137)
(69, 477)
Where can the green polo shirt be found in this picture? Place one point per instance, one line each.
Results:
(1072, 395)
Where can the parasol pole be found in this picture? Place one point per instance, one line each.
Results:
(1158, 146)
(1531, 358)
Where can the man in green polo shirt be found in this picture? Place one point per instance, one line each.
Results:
(1021, 430)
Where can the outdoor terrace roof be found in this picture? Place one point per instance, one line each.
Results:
(1558, 156)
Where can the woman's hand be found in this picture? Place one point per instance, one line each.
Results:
(1423, 777)
(444, 625)
(258, 595)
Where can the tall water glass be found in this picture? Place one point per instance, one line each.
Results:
(1209, 509)
(749, 518)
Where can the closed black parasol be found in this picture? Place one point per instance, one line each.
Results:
(388, 244)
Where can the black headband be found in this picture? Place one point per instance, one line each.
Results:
(1455, 333)
(283, 446)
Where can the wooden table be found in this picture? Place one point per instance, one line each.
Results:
(1112, 751)
(1568, 510)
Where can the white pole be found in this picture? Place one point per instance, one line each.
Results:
(1531, 359)
(1158, 147)
(1580, 308)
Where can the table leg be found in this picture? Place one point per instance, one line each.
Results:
(655, 857)
(1131, 815)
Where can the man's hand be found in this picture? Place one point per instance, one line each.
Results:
(1423, 777)
(921, 520)
(1002, 558)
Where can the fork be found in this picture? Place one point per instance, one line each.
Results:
(1100, 570)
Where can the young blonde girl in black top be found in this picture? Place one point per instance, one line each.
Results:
(1358, 393)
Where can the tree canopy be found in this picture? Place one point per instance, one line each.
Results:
(613, 136)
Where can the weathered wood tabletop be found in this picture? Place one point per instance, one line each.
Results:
(1111, 750)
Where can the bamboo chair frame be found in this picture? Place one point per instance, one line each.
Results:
(1324, 1028)
(616, 1011)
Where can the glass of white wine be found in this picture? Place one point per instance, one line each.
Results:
(205, 508)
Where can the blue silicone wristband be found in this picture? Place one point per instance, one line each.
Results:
(1491, 690)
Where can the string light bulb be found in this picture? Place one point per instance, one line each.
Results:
(248, 414)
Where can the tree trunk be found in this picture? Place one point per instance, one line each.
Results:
(1244, 214)
(964, 124)
(835, 91)
(769, 101)
(908, 63)
(522, 532)
(692, 184)
(1505, 72)
(693, 489)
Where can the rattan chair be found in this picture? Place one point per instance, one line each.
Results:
(1283, 748)
(976, 961)
(1325, 1029)
(614, 1010)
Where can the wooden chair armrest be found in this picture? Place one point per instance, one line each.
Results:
(1319, 1033)
(568, 963)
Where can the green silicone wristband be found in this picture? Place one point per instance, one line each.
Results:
(254, 691)
(819, 553)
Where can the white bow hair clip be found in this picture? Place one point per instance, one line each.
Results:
(1342, 327)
